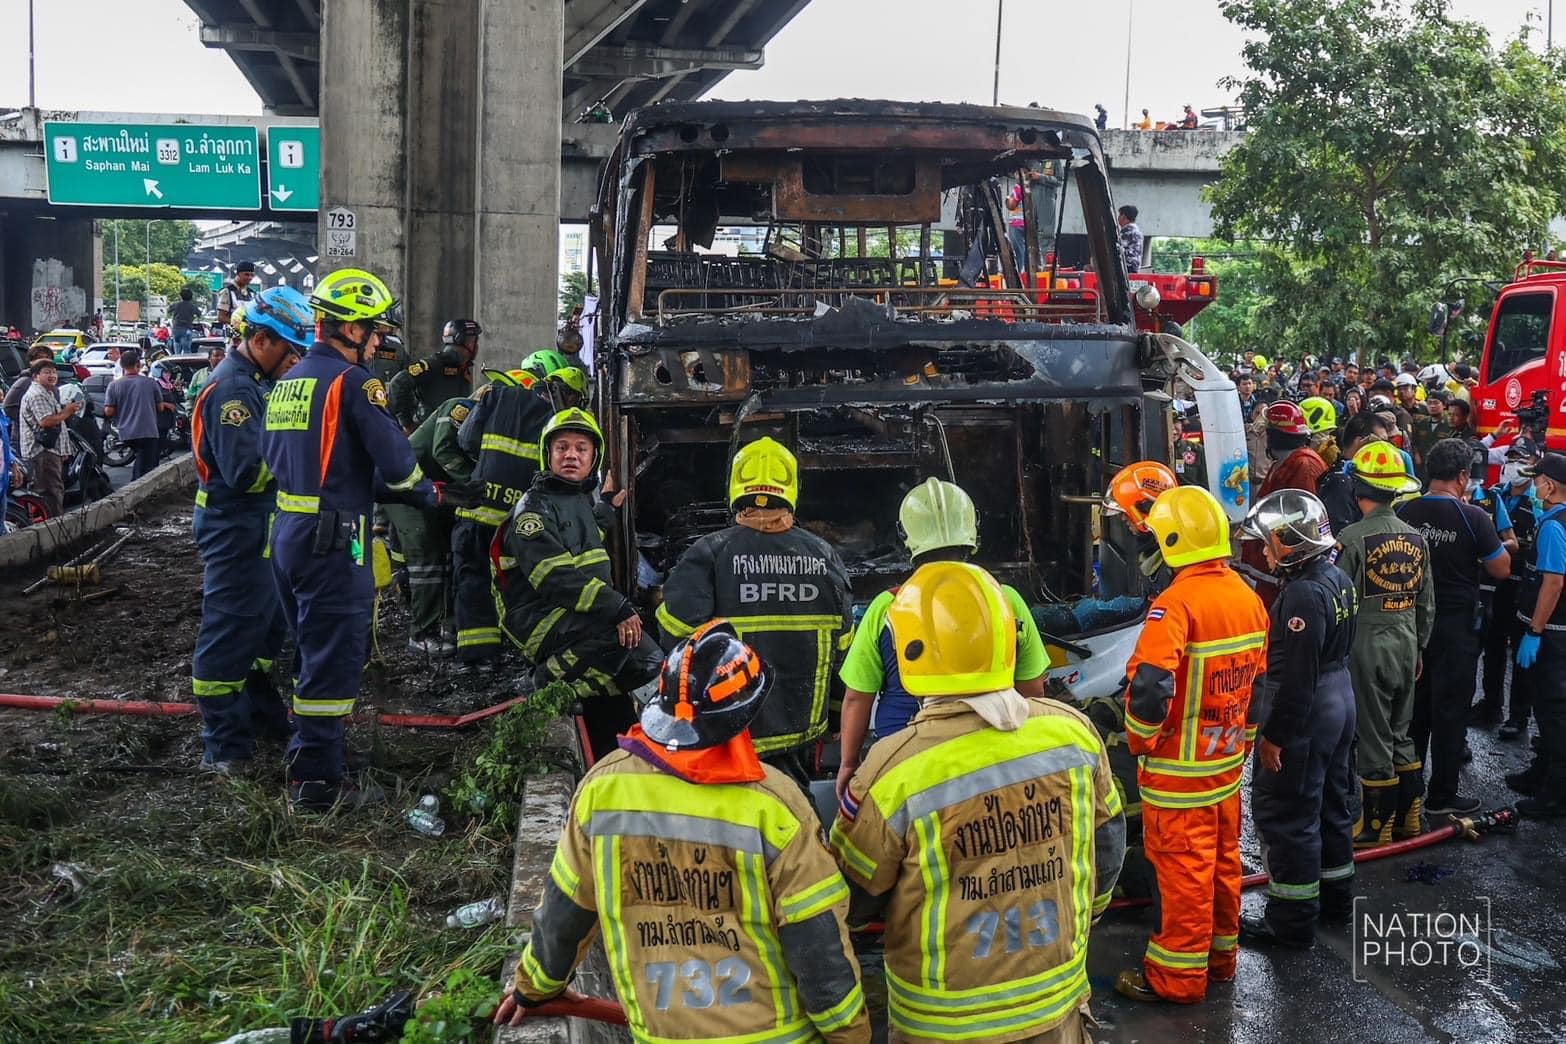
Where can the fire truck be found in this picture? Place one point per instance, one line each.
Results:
(1522, 373)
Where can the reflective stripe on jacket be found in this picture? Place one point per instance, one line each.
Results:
(502, 436)
(1188, 701)
(722, 912)
(993, 852)
(787, 595)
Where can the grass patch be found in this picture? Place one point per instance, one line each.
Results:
(210, 909)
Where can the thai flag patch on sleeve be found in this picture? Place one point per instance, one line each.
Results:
(848, 805)
(1155, 614)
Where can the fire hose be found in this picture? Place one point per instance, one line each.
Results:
(145, 708)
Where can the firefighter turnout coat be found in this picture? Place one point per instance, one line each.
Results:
(502, 436)
(991, 853)
(721, 911)
(787, 594)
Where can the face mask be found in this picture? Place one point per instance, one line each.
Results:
(1511, 472)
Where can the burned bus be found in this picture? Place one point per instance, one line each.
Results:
(839, 276)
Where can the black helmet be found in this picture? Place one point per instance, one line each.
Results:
(458, 330)
(709, 690)
(1522, 448)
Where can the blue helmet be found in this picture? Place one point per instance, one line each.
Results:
(285, 312)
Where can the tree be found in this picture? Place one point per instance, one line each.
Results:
(1225, 329)
(573, 291)
(1391, 149)
(172, 241)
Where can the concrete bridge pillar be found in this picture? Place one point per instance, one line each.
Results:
(440, 130)
(49, 270)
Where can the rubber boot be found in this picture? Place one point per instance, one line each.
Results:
(1337, 901)
(1409, 819)
(1375, 815)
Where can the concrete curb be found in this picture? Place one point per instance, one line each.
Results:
(545, 802)
(36, 543)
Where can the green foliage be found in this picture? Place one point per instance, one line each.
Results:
(491, 787)
(1391, 149)
(459, 1012)
(573, 292)
(1224, 329)
(171, 241)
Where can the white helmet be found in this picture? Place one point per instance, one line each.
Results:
(70, 393)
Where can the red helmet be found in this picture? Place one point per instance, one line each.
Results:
(1287, 418)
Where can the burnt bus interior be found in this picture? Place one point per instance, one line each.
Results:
(879, 326)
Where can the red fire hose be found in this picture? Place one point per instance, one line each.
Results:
(144, 708)
(593, 1008)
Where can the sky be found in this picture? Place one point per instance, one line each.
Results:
(145, 55)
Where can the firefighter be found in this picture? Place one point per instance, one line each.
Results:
(552, 582)
(1131, 494)
(721, 911)
(1295, 466)
(939, 524)
(1542, 651)
(327, 438)
(448, 374)
(1188, 696)
(1303, 780)
(241, 621)
(1511, 505)
(1321, 417)
(987, 835)
(425, 534)
(501, 435)
(1389, 565)
(784, 589)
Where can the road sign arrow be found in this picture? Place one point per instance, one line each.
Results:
(152, 187)
(282, 192)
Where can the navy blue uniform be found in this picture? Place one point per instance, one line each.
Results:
(1302, 813)
(327, 435)
(241, 624)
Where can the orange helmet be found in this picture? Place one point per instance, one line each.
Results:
(1134, 488)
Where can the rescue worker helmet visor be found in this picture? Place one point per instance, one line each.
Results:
(1190, 525)
(1293, 524)
(764, 474)
(1135, 488)
(351, 295)
(710, 689)
(954, 632)
(937, 514)
(458, 330)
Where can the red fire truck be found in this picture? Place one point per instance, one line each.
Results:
(1522, 374)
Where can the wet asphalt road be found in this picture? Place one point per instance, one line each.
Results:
(1516, 993)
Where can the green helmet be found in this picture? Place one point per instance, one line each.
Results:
(573, 377)
(937, 514)
(544, 362)
(1320, 415)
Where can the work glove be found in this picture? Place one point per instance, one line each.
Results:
(1527, 651)
(457, 494)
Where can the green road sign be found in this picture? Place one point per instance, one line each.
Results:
(153, 165)
(293, 167)
(213, 280)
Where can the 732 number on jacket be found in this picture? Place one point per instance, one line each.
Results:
(1043, 922)
(698, 979)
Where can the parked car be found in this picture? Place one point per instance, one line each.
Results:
(96, 359)
(13, 360)
(64, 341)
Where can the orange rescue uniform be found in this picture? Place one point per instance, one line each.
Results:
(1188, 703)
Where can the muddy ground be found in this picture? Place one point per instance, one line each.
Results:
(146, 901)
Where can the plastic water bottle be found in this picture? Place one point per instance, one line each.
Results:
(424, 819)
(475, 914)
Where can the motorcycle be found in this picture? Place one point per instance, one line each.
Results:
(85, 479)
(23, 508)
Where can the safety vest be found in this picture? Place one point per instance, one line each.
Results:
(1533, 580)
(326, 435)
(691, 885)
(996, 851)
(1187, 706)
(787, 594)
(510, 421)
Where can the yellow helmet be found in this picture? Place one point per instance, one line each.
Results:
(509, 378)
(353, 295)
(938, 514)
(1190, 525)
(238, 324)
(572, 419)
(1382, 467)
(573, 377)
(764, 471)
(1321, 416)
(954, 631)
